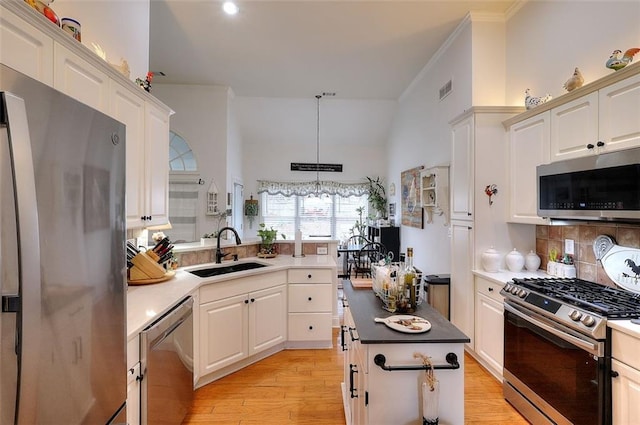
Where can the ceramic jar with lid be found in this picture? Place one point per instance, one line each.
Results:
(491, 260)
(532, 261)
(515, 261)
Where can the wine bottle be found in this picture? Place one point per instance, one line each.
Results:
(410, 277)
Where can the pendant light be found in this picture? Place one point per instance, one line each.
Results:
(318, 186)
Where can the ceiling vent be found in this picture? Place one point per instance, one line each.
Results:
(445, 90)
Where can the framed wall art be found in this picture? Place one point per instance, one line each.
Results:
(411, 208)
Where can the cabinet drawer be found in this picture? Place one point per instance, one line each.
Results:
(490, 289)
(306, 298)
(625, 348)
(310, 276)
(133, 351)
(309, 326)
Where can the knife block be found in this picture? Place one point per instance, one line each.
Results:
(145, 266)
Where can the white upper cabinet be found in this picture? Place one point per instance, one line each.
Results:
(156, 164)
(528, 148)
(79, 79)
(619, 119)
(25, 49)
(462, 171)
(574, 128)
(601, 121)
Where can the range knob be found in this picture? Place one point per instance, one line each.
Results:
(507, 287)
(522, 293)
(514, 290)
(588, 321)
(575, 315)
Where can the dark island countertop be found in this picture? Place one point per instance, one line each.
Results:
(365, 307)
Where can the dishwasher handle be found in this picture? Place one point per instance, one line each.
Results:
(165, 325)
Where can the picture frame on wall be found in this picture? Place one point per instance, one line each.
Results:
(411, 207)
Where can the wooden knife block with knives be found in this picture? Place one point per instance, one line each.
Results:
(145, 266)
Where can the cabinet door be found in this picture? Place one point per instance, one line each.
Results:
(489, 325)
(625, 394)
(619, 112)
(224, 337)
(462, 169)
(157, 164)
(462, 288)
(267, 318)
(128, 108)
(25, 49)
(133, 394)
(574, 128)
(79, 79)
(528, 148)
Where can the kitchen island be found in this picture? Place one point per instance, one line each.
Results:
(379, 386)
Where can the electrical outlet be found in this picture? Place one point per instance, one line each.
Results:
(322, 250)
(569, 247)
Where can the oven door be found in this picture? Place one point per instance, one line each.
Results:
(551, 374)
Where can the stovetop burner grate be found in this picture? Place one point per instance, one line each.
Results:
(612, 303)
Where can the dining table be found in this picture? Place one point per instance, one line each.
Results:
(344, 251)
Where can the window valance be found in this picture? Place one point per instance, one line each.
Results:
(309, 188)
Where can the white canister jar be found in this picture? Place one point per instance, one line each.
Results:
(532, 261)
(491, 260)
(515, 261)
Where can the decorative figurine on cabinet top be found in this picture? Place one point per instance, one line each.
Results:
(146, 83)
(533, 101)
(575, 81)
(616, 63)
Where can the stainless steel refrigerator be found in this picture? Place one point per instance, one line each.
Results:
(62, 258)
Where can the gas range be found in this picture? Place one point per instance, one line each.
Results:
(580, 305)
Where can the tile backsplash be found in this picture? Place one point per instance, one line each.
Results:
(550, 237)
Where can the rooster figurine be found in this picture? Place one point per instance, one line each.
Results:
(575, 81)
(533, 101)
(616, 63)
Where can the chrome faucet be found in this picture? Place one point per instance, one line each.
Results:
(219, 254)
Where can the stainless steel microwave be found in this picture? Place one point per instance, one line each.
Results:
(598, 187)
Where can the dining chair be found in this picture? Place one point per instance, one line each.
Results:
(370, 253)
(355, 240)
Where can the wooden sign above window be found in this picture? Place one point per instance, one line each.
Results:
(305, 166)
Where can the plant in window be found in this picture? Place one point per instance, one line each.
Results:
(268, 238)
(377, 196)
(359, 227)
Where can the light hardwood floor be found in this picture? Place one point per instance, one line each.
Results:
(302, 387)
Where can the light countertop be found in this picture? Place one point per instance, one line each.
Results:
(146, 303)
(625, 326)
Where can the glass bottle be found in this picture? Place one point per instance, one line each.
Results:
(410, 277)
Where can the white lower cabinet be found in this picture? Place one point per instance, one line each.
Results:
(461, 287)
(310, 306)
(489, 326)
(133, 381)
(626, 378)
(240, 318)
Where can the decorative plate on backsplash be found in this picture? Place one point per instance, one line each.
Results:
(622, 264)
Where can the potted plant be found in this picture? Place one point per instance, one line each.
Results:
(359, 226)
(268, 238)
(377, 196)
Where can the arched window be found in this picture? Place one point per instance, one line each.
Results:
(180, 155)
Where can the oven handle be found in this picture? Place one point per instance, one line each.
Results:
(593, 348)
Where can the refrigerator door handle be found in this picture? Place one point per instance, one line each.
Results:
(14, 117)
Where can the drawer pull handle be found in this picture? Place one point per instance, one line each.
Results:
(310, 328)
(451, 358)
(490, 289)
(246, 301)
(309, 298)
(253, 300)
(590, 146)
(309, 276)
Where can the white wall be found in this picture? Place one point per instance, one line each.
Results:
(121, 28)
(201, 118)
(421, 136)
(547, 40)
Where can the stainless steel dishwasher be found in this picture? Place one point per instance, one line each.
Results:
(166, 359)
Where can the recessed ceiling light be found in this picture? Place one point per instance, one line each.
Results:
(230, 8)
